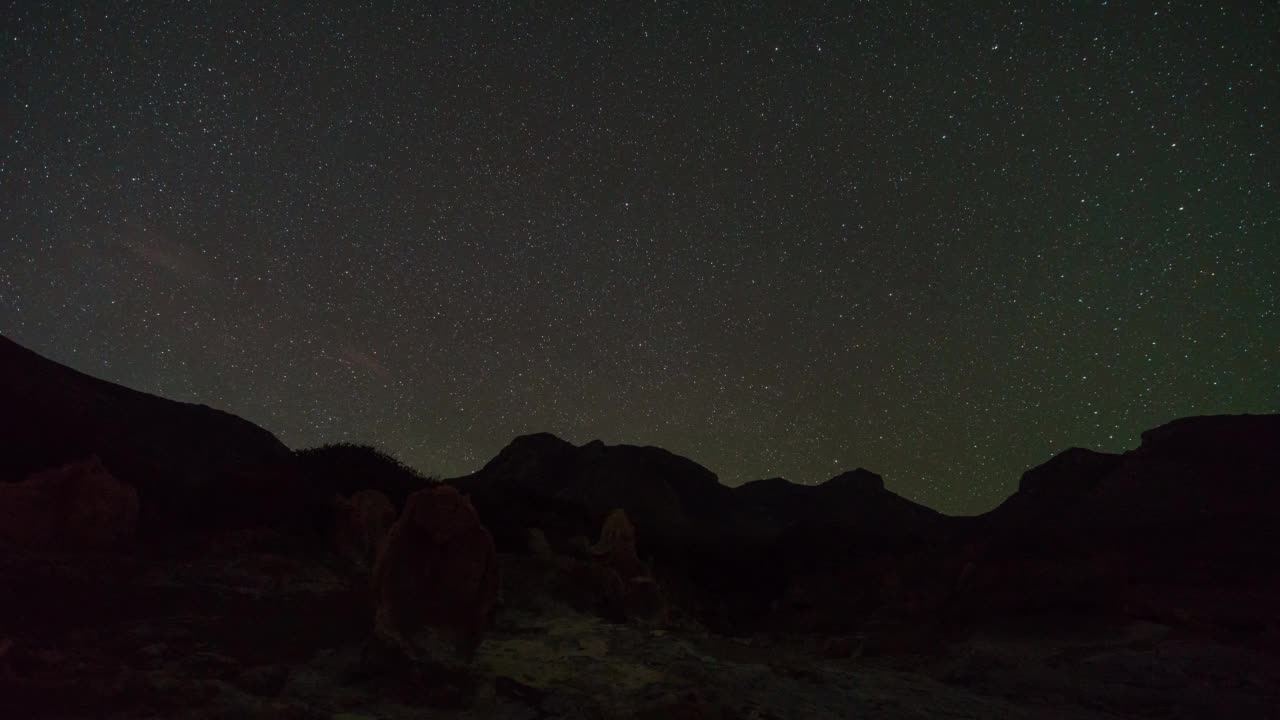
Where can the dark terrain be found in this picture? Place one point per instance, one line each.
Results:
(1142, 584)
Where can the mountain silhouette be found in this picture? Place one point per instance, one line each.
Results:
(1196, 504)
(185, 539)
(195, 467)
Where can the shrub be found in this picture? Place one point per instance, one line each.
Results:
(347, 468)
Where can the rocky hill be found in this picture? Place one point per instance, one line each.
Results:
(543, 481)
(194, 466)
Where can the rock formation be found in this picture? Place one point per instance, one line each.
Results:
(617, 546)
(436, 581)
(361, 525)
(77, 506)
(640, 596)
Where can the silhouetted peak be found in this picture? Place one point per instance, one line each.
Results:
(1219, 439)
(1188, 471)
(752, 486)
(629, 458)
(527, 450)
(538, 441)
(1072, 470)
(857, 481)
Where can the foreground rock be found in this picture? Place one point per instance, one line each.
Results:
(79, 506)
(436, 580)
(361, 524)
(606, 580)
(641, 596)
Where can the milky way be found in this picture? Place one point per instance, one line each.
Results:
(942, 244)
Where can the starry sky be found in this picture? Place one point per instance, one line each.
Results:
(942, 241)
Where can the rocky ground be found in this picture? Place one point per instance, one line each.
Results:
(247, 626)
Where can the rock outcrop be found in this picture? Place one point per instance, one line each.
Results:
(361, 524)
(435, 583)
(75, 507)
(640, 598)
(617, 546)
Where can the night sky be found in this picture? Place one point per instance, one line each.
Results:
(942, 244)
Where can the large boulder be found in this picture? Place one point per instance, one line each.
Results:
(640, 597)
(77, 506)
(435, 583)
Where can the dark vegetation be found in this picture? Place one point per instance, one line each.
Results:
(347, 468)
